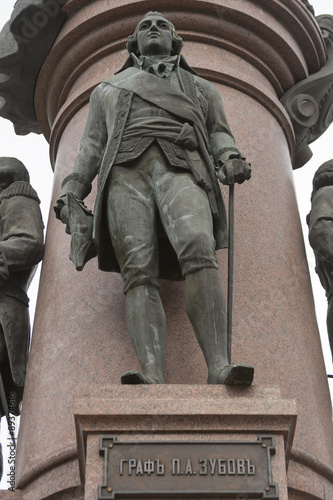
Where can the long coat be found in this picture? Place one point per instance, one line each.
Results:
(108, 111)
(21, 248)
(320, 221)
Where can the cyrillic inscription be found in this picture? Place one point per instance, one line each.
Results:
(179, 467)
(141, 467)
(187, 468)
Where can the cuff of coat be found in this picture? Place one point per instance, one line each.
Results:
(76, 183)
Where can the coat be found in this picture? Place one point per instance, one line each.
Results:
(320, 221)
(109, 107)
(21, 248)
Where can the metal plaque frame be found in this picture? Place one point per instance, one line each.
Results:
(172, 469)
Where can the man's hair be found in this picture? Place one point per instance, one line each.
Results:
(15, 170)
(323, 176)
(177, 41)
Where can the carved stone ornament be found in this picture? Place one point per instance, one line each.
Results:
(309, 103)
(25, 41)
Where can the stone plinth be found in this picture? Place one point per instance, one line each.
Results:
(9, 495)
(253, 52)
(182, 413)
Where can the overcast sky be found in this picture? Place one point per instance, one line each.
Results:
(33, 151)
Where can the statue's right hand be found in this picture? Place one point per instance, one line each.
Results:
(61, 212)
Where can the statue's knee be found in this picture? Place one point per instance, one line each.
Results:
(147, 282)
(198, 253)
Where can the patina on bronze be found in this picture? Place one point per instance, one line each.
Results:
(190, 469)
(21, 248)
(320, 221)
(158, 138)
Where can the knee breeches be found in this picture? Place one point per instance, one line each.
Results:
(138, 196)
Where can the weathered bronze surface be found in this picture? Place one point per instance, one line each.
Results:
(21, 248)
(159, 141)
(320, 221)
(189, 469)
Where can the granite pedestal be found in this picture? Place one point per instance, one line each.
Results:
(253, 52)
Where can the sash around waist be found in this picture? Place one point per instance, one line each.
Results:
(157, 127)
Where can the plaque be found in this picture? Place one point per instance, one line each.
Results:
(187, 469)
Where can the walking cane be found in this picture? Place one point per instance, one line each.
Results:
(230, 267)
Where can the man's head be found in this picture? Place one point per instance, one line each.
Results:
(323, 176)
(11, 170)
(154, 36)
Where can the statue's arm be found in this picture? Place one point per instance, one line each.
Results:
(321, 223)
(230, 163)
(88, 160)
(92, 145)
(22, 245)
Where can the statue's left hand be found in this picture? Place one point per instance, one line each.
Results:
(234, 170)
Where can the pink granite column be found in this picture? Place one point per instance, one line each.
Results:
(252, 52)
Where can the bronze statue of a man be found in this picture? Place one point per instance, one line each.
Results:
(158, 137)
(320, 221)
(21, 248)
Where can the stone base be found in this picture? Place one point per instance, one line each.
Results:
(8, 495)
(174, 413)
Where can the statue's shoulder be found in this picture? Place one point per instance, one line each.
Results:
(324, 193)
(120, 76)
(103, 88)
(108, 83)
(205, 91)
(204, 84)
(322, 204)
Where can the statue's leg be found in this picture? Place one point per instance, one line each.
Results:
(187, 220)
(147, 326)
(205, 306)
(132, 222)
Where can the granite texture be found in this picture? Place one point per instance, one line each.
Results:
(182, 413)
(80, 344)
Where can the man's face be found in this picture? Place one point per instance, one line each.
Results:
(154, 37)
